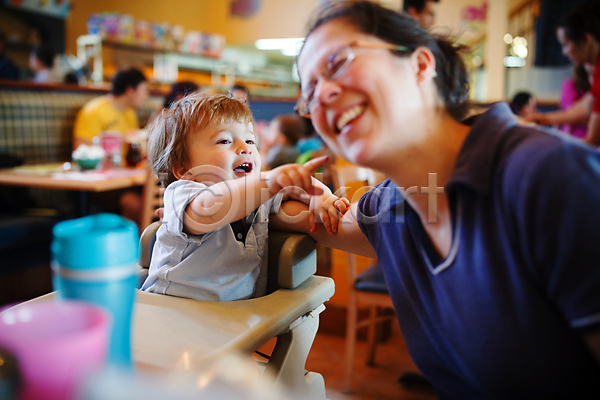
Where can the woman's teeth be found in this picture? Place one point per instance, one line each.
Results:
(348, 116)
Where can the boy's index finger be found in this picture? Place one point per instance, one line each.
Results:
(315, 163)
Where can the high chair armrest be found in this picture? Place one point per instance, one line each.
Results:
(292, 259)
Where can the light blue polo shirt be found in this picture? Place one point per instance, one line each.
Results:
(213, 266)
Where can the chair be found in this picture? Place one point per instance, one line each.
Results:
(152, 198)
(289, 312)
(368, 287)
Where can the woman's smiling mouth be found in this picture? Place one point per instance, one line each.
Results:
(348, 116)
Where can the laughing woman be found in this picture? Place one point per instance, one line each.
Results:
(492, 262)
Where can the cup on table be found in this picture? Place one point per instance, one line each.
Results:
(112, 143)
(55, 344)
(94, 259)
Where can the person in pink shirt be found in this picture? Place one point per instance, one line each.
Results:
(573, 89)
(579, 36)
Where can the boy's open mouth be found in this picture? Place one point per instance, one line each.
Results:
(243, 168)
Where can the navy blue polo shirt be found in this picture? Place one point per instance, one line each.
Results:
(502, 316)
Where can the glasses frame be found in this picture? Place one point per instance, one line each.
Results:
(303, 105)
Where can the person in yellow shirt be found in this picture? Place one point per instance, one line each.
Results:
(115, 111)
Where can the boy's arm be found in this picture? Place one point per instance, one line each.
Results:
(293, 216)
(225, 202)
(230, 200)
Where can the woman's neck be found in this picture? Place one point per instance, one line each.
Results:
(426, 168)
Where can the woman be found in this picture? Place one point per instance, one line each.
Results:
(483, 226)
(579, 36)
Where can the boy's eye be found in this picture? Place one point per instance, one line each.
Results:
(224, 141)
(249, 141)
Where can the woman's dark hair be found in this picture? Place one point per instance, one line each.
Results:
(583, 18)
(519, 101)
(179, 90)
(581, 79)
(398, 28)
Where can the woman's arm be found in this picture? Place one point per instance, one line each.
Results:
(593, 133)
(293, 216)
(579, 113)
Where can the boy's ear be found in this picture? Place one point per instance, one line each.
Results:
(179, 171)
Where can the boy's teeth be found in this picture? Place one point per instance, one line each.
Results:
(348, 116)
(245, 167)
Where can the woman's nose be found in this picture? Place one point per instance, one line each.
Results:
(326, 91)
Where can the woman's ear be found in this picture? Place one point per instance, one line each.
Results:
(424, 64)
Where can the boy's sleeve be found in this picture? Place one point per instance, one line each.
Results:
(178, 195)
(274, 203)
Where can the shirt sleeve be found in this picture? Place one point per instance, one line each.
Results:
(557, 209)
(178, 195)
(595, 90)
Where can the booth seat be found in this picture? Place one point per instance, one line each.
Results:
(36, 121)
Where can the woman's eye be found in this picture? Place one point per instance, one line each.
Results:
(335, 64)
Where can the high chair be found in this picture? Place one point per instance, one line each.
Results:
(368, 287)
(174, 334)
(152, 198)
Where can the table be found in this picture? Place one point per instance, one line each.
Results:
(173, 334)
(52, 176)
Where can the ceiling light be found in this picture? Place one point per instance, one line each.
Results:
(288, 46)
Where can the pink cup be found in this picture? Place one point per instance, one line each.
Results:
(55, 344)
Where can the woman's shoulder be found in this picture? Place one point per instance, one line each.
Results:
(534, 156)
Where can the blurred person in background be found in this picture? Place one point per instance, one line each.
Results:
(41, 63)
(8, 69)
(573, 89)
(523, 104)
(115, 111)
(278, 144)
(423, 11)
(179, 90)
(579, 35)
(241, 93)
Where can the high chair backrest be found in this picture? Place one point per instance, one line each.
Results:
(292, 257)
(152, 199)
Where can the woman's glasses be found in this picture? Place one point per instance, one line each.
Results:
(337, 64)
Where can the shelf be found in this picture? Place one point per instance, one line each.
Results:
(167, 64)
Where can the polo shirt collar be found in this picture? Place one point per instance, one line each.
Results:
(477, 158)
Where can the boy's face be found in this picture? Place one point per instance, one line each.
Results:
(230, 146)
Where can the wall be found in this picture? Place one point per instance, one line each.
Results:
(276, 18)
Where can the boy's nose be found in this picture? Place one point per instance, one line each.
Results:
(244, 150)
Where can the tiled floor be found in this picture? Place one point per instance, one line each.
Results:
(369, 382)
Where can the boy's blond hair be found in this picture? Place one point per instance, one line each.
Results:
(168, 132)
